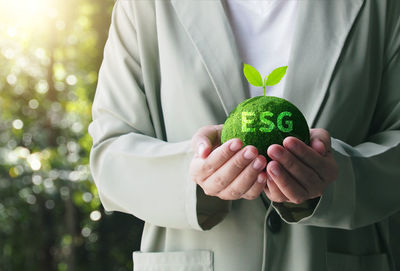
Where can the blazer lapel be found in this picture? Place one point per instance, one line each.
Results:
(322, 27)
(210, 31)
(321, 30)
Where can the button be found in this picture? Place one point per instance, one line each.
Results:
(274, 222)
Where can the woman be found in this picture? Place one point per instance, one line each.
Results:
(172, 72)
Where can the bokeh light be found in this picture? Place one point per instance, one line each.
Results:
(48, 76)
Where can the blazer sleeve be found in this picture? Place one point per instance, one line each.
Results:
(367, 188)
(134, 171)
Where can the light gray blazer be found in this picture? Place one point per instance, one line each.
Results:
(171, 67)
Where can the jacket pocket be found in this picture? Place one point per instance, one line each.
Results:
(349, 262)
(193, 260)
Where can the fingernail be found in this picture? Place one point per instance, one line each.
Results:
(201, 148)
(235, 146)
(258, 164)
(248, 154)
(323, 146)
(277, 153)
(261, 179)
(293, 145)
(275, 171)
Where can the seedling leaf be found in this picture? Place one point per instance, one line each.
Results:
(276, 76)
(252, 75)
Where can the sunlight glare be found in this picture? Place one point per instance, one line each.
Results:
(26, 14)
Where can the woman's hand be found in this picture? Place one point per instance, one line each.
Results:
(299, 172)
(226, 171)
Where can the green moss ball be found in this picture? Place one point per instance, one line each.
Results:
(265, 120)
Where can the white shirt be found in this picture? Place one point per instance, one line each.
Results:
(263, 30)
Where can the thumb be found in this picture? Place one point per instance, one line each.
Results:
(205, 139)
(320, 140)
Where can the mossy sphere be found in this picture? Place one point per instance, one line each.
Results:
(265, 120)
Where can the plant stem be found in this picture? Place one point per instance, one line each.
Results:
(265, 78)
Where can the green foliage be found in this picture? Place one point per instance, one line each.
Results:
(253, 76)
(276, 76)
(51, 217)
(262, 133)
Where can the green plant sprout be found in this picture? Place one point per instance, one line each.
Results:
(254, 77)
(265, 120)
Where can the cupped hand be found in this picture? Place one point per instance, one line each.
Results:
(227, 171)
(299, 172)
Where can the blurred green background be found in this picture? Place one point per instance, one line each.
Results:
(50, 214)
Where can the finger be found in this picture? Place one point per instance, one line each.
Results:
(256, 189)
(320, 140)
(203, 168)
(317, 145)
(245, 180)
(222, 177)
(286, 184)
(308, 156)
(302, 173)
(223, 153)
(272, 191)
(205, 139)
